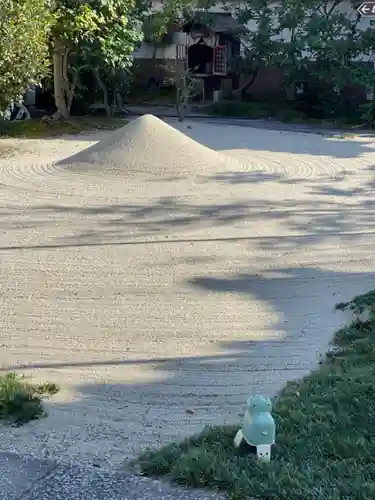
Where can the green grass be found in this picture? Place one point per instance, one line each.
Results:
(325, 433)
(21, 401)
(38, 129)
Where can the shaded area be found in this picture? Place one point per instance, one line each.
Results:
(19, 474)
(319, 420)
(31, 479)
(180, 395)
(254, 177)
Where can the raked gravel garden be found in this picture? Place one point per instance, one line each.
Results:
(150, 284)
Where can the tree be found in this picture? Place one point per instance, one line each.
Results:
(159, 25)
(24, 29)
(258, 43)
(363, 72)
(310, 40)
(322, 42)
(100, 33)
(110, 59)
(187, 87)
(278, 37)
(158, 29)
(292, 18)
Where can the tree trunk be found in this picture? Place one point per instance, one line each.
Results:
(291, 91)
(114, 106)
(119, 102)
(59, 86)
(103, 88)
(63, 88)
(153, 57)
(69, 87)
(240, 91)
(182, 96)
(24, 110)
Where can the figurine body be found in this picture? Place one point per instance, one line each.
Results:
(258, 427)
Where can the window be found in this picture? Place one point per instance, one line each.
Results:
(181, 52)
(220, 60)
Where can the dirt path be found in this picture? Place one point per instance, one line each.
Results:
(160, 306)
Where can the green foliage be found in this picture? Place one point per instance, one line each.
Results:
(24, 30)
(159, 25)
(257, 110)
(158, 29)
(360, 304)
(365, 77)
(111, 32)
(185, 10)
(294, 33)
(75, 21)
(110, 56)
(240, 109)
(324, 444)
(20, 401)
(322, 32)
(99, 35)
(258, 43)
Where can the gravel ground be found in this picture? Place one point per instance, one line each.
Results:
(161, 302)
(27, 478)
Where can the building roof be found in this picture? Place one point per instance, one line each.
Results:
(219, 22)
(223, 22)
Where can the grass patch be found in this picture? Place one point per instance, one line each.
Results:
(38, 129)
(21, 401)
(325, 432)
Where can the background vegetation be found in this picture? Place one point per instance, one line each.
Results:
(82, 52)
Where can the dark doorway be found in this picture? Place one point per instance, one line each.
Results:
(200, 57)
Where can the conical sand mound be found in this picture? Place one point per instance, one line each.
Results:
(147, 146)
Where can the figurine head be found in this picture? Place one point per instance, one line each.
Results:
(259, 403)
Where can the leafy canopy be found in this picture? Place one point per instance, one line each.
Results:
(24, 31)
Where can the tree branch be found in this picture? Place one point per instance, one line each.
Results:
(333, 7)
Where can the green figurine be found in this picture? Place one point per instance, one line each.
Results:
(258, 428)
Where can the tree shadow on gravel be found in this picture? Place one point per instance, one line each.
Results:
(107, 423)
(331, 212)
(253, 178)
(180, 395)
